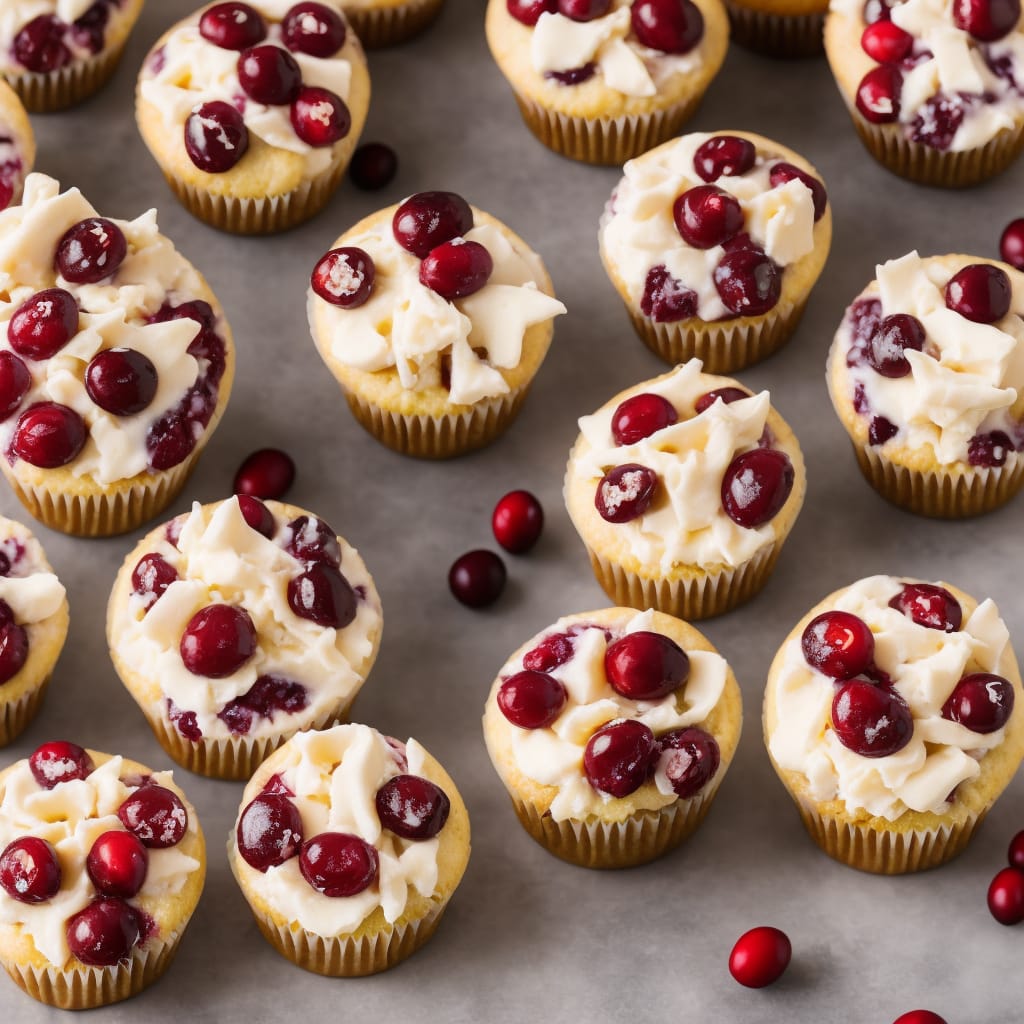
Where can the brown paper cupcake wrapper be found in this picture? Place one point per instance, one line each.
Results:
(389, 26)
(58, 90)
(606, 140)
(941, 494)
(16, 715)
(776, 35)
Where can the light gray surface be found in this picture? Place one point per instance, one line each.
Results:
(528, 937)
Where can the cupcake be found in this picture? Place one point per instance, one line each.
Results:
(56, 53)
(239, 624)
(889, 717)
(253, 111)
(116, 363)
(778, 28)
(714, 242)
(683, 490)
(605, 80)
(926, 375)
(932, 85)
(389, 22)
(103, 863)
(434, 317)
(17, 145)
(612, 731)
(33, 627)
(348, 847)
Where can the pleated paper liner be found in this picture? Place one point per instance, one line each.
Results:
(348, 957)
(942, 493)
(606, 140)
(44, 93)
(776, 35)
(388, 26)
(16, 715)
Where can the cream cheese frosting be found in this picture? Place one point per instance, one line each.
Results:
(29, 586)
(925, 666)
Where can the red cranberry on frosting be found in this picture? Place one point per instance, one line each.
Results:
(256, 515)
(215, 137)
(878, 95)
(646, 666)
(152, 575)
(529, 11)
(886, 42)
(269, 831)
(90, 251)
(105, 932)
(748, 282)
(986, 20)
(344, 277)
(727, 155)
(15, 382)
(218, 640)
(980, 292)
(322, 595)
(320, 117)
(39, 45)
(428, 219)
(981, 702)
(726, 395)
(155, 815)
(756, 485)
(310, 540)
(672, 26)
(552, 651)
(13, 645)
(625, 493)
(117, 864)
(991, 449)
(707, 216)
(618, 757)
(338, 864)
(59, 761)
(43, 324)
(895, 334)
(838, 644)
(640, 416)
(121, 381)
(929, 606)
(666, 299)
(690, 758)
(783, 172)
(232, 26)
(264, 699)
(29, 870)
(269, 74)
(584, 10)
(313, 28)
(456, 269)
(871, 720)
(531, 699)
(412, 807)
(49, 435)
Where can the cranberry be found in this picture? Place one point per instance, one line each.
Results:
(727, 395)
(781, 173)
(314, 29)
(320, 118)
(690, 757)
(428, 219)
(269, 831)
(930, 606)
(666, 299)
(672, 26)
(531, 700)
(529, 11)
(322, 595)
(760, 956)
(156, 816)
(29, 870)
(59, 761)
(878, 95)
(43, 324)
(256, 515)
(15, 381)
(338, 864)
(456, 269)
(574, 76)
(552, 651)
(756, 486)
(13, 650)
(838, 644)
(311, 540)
(748, 282)
(117, 864)
(886, 43)
(268, 695)
(517, 521)
(412, 807)
(39, 45)
(373, 166)
(232, 26)
(185, 722)
(215, 137)
(939, 119)
(269, 75)
(195, 309)
(987, 20)
(584, 10)
(981, 702)
(870, 720)
(919, 1017)
(477, 578)
(895, 334)
(1016, 852)
(646, 666)
(266, 473)
(1011, 243)
(618, 757)
(979, 292)
(90, 251)
(989, 449)
(105, 932)
(344, 277)
(49, 435)
(152, 575)
(707, 216)
(625, 493)
(724, 154)
(641, 416)
(218, 640)
(276, 786)
(121, 381)
(881, 430)
(878, 10)
(1006, 896)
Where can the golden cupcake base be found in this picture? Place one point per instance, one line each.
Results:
(45, 93)
(17, 715)
(389, 26)
(776, 35)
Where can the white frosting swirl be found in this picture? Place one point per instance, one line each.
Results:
(925, 665)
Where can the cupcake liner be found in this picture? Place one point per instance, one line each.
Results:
(942, 493)
(388, 26)
(16, 715)
(44, 93)
(776, 35)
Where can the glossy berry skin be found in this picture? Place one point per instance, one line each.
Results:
(428, 219)
(528, 12)
(726, 395)
(517, 521)
(671, 26)
(477, 578)
(59, 761)
(919, 1017)
(152, 574)
(646, 666)
(156, 816)
(989, 449)
(269, 75)
(232, 26)
(338, 864)
(979, 292)
(344, 277)
(838, 644)
(986, 20)
(121, 381)
(1006, 896)
(311, 540)
(13, 650)
(707, 216)
(320, 117)
(256, 515)
(216, 137)
(641, 416)
(456, 269)
(15, 382)
(878, 95)
(269, 831)
(267, 473)
(871, 720)
(1011, 244)
(886, 42)
(532, 700)
(723, 155)
(314, 29)
(105, 932)
(29, 870)
(218, 640)
(748, 282)
(618, 757)
(981, 702)
(783, 172)
(90, 251)
(322, 595)
(412, 807)
(39, 45)
(666, 299)
(760, 957)
(690, 758)
(43, 324)
(373, 166)
(552, 651)
(756, 485)
(49, 435)
(895, 334)
(117, 864)
(584, 10)
(930, 606)
(1015, 854)
(625, 493)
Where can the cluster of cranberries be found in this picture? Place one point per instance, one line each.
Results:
(869, 716)
(755, 485)
(337, 864)
(46, 43)
(621, 756)
(154, 818)
(216, 137)
(1006, 891)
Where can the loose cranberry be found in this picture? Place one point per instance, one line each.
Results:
(29, 870)
(311, 540)
(266, 473)
(707, 216)
(1016, 852)
(43, 324)
(15, 381)
(529, 11)
(672, 26)
(477, 578)
(584, 10)
(878, 95)
(90, 251)
(981, 702)
(412, 807)
(989, 449)
(121, 381)
(646, 666)
(895, 334)
(930, 606)
(232, 26)
(314, 29)
(724, 154)
(320, 118)
(269, 831)
(322, 595)
(980, 292)
(625, 493)
(49, 435)
(256, 515)
(781, 173)
(886, 43)
(264, 699)
(532, 700)
(881, 430)
(618, 757)
(152, 575)
(338, 864)
(13, 650)
(1011, 243)
(727, 396)
(1006, 896)
(641, 416)
(666, 299)
(552, 651)
(428, 219)
(919, 1017)
(105, 932)
(756, 486)
(39, 45)
(373, 166)
(748, 282)
(838, 644)
(218, 640)
(456, 269)
(760, 957)
(987, 20)
(517, 521)
(344, 277)
(117, 864)
(59, 761)
(690, 758)
(216, 137)
(870, 720)
(156, 816)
